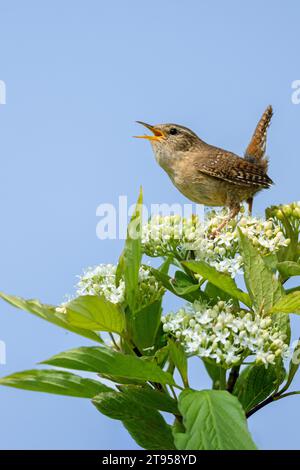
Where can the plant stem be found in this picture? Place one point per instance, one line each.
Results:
(173, 392)
(288, 394)
(233, 376)
(260, 406)
(222, 378)
(178, 386)
(114, 341)
(270, 399)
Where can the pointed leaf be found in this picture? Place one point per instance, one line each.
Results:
(215, 372)
(256, 383)
(144, 326)
(213, 420)
(288, 303)
(95, 313)
(289, 268)
(168, 283)
(106, 361)
(263, 287)
(221, 280)
(144, 424)
(55, 381)
(183, 284)
(165, 266)
(151, 398)
(132, 255)
(179, 359)
(50, 314)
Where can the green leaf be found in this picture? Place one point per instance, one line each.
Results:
(215, 294)
(288, 269)
(289, 252)
(263, 287)
(144, 326)
(132, 255)
(151, 398)
(165, 266)
(55, 381)
(95, 313)
(106, 361)
(271, 261)
(179, 359)
(215, 372)
(168, 283)
(282, 321)
(183, 284)
(221, 280)
(50, 314)
(292, 289)
(289, 303)
(144, 424)
(120, 269)
(161, 356)
(256, 383)
(161, 339)
(213, 420)
(121, 380)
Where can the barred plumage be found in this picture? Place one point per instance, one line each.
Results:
(236, 170)
(255, 152)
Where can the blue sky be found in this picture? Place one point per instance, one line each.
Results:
(78, 74)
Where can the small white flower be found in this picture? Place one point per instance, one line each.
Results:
(175, 236)
(225, 335)
(101, 280)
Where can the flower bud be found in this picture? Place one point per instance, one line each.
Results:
(271, 358)
(287, 209)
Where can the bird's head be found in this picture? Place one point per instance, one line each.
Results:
(169, 137)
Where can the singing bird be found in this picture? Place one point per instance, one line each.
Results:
(210, 175)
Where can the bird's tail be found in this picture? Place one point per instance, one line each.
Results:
(256, 150)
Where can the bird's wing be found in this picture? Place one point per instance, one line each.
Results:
(229, 167)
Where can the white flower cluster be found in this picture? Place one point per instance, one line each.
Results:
(163, 236)
(101, 280)
(225, 336)
(168, 235)
(222, 252)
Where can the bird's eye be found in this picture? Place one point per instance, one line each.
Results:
(173, 131)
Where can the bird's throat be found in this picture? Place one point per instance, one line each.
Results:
(166, 159)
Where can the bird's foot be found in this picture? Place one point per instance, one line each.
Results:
(214, 234)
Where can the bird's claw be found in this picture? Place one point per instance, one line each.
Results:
(214, 234)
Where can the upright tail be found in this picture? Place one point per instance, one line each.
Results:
(256, 150)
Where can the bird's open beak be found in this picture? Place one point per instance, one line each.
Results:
(158, 134)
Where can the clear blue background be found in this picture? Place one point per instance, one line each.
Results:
(78, 74)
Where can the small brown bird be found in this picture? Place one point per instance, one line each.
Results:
(210, 175)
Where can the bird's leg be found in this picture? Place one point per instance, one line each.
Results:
(233, 212)
(250, 205)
